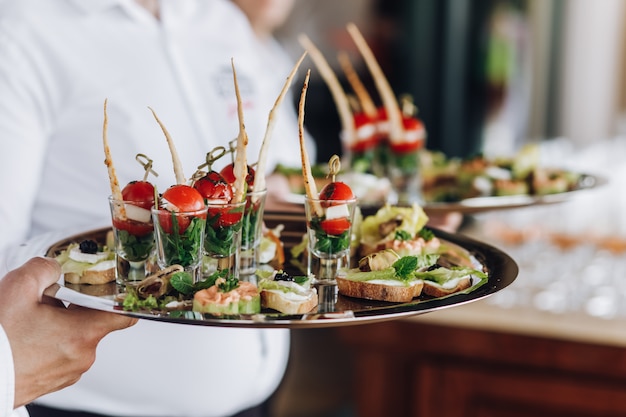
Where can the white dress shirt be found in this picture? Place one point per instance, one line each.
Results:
(59, 60)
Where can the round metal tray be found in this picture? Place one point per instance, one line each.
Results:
(333, 310)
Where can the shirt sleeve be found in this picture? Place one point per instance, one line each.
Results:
(7, 376)
(22, 133)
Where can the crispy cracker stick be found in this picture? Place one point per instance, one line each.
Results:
(339, 96)
(309, 182)
(367, 104)
(259, 178)
(240, 169)
(178, 167)
(396, 129)
(108, 161)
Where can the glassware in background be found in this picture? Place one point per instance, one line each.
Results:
(571, 255)
(180, 238)
(133, 232)
(400, 156)
(329, 229)
(222, 241)
(252, 232)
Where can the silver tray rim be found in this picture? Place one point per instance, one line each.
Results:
(503, 270)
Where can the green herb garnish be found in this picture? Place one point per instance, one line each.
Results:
(426, 234)
(405, 267)
(182, 249)
(182, 282)
(402, 235)
(329, 244)
(220, 240)
(136, 248)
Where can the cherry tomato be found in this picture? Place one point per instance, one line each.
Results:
(141, 193)
(224, 217)
(214, 188)
(229, 175)
(405, 147)
(335, 227)
(133, 227)
(336, 191)
(184, 198)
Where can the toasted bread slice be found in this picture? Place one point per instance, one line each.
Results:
(101, 273)
(283, 302)
(391, 291)
(434, 289)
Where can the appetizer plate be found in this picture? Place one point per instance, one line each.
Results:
(333, 310)
(481, 204)
(490, 203)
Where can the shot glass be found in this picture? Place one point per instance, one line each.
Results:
(405, 176)
(133, 233)
(252, 232)
(222, 242)
(329, 231)
(180, 238)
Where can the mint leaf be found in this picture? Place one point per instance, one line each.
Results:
(405, 267)
(182, 282)
(426, 234)
(402, 235)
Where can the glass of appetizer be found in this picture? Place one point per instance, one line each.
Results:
(329, 221)
(133, 231)
(179, 225)
(222, 242)
(252, 231)
(403, 158)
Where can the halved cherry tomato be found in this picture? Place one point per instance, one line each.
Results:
(335, 226)
(225, 217)
(214, 188)
(405, 147)
(140, 193)
(133, 227)
(229, 175)
(336, 191)
(185, 199)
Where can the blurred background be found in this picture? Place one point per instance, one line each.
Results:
(485, 74)
(488, 76)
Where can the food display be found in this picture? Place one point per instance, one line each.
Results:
(390, 264)
(288, 294)
(401, 259)
(131, 216)
(446, 179)
(228, 296)
(87, 262)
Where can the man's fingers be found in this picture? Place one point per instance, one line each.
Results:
(35, 275)
(105, 321)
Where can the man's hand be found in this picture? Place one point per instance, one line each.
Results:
(52, 345)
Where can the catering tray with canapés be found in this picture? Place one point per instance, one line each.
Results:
(333, 309)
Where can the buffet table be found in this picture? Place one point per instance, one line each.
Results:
(550, 344)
